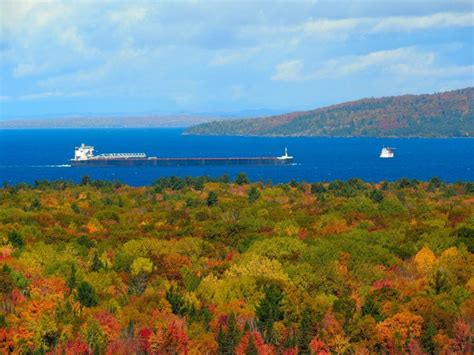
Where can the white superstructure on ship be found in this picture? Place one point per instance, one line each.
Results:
(387, 152)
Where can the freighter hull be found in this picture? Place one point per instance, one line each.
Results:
(84, 156)
(181, 161)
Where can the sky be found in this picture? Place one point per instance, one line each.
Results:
(138, 57)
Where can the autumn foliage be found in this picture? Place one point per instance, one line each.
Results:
(324, 268)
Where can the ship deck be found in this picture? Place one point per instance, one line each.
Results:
(154, 161)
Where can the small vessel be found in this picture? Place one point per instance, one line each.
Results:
(84, 156)
(387, 152)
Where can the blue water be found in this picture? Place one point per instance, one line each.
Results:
(29, 155)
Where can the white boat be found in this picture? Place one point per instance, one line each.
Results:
(285, 156)
(387, 152)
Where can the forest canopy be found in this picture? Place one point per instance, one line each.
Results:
(209, 265)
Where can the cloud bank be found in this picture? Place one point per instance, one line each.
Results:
(64, 56)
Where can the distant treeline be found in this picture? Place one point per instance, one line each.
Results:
(176, 183)
(447, 114)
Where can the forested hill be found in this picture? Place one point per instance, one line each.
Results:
(447, 114)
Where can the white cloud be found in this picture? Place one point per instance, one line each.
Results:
(335, 29)
(226, 57)
(147, 48)
(76, 79)
(26, 18)
(439, 20)
(289, 71)
(383, 59)
(407, 61)
(129, 16)
(73, 39)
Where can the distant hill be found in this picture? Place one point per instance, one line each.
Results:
(106, 122)
(447, 114)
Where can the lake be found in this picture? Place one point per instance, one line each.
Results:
(29, 155)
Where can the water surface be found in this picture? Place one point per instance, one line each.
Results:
(29, 155)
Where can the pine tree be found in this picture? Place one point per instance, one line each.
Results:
(241, 179)
(221, 341)
(268, 312)
(251, 347)
(233, 334)
(211, 198)
(86, 295)
(253, 194)
(304, 333)
(71, 281)
(96, 263)
(427, 339)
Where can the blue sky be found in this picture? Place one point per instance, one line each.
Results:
(132, 57)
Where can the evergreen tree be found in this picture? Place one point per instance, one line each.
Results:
(221, 341)
(376, 196)
(224, 179)
(86, 295)
(268, 312)
(251, 347)
(211, 198)
(371, 308)
(427, 339)
(233, 334)
(15, 239)
(86, 180)
(178, 305)
(241, 179)
(253, 194)
(96, 263)
(304, 333)
(71, 281)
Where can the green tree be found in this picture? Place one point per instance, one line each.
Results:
(35, 204)
(71, 281)
(376, 196)
(427, 339)
(233, 334)
(96, 262)
(86, 180)
(75, 207)
(251, 347)
(253, 194)
(211, 198)
(371, 308)
(304, 333)
(16, 239)
(221, 341)
(241, 179)
(178, 305)
(346, 307)
(317, 188)
(86, 295)
(268, 312)
(224, 179)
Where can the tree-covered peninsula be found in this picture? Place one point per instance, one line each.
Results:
(447, 114)
(209, 266)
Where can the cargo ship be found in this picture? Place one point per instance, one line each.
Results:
(84, 156)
